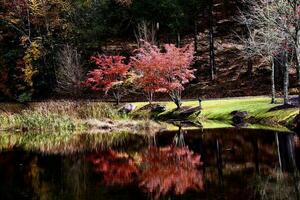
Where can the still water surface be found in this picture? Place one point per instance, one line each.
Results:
(190, 164)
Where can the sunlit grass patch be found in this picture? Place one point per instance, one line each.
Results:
(221, 109)
(54, 115)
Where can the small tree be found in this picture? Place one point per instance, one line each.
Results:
(177, 71)
(110, 76)
(148, 64)
(164, 71)
(70, 72)
(146, 31)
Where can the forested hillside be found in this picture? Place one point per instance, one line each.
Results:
(45, 46)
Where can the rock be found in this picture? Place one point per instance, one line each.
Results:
(238, 117)
(185, 112)
(127, 108)
(158, 108)
(296, 124)
(189, 111)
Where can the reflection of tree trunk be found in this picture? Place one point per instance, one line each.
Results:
(199, 148)
(291, 153)
(278, 151)
(256, 155)
(75, 177)
(211, 42)
(286, 152)
(219, 162)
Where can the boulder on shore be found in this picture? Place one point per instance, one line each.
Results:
(238, 117)
(127, 108)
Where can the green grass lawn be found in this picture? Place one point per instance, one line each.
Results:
(220, 109)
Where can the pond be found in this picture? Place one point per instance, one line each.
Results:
(183, 164)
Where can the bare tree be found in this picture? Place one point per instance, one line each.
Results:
(266, 37)
(70, 72)
(146, 32)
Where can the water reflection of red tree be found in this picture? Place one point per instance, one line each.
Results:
(117, 168)
(170, 169)
(160, 171)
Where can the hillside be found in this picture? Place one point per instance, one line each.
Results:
(233, 75)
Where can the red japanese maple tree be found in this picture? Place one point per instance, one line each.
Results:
(110, 76)
(164, 71)
(148, 65)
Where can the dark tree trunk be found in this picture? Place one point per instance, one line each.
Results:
(211, 41)
(178, 39)
(178, 103)
(278, 151)
(219, 163)
(249, 67)
(117, 97)
(286, 151)
(196, 35)
(256, 155)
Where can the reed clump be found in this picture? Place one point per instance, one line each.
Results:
(61, 115)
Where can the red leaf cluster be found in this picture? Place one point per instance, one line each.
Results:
(160, 170)
(20, 5)
(117, 168)
(111, 73)
(163, 71)
(170, 169)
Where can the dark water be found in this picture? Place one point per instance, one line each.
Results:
(196, 164)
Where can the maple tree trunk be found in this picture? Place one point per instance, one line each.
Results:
(117, 97)
(150, 97)
(178, 103)
(176, 98)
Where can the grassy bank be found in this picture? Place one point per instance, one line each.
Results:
(69, 116)
(259, 109)
(67, 126)
(82, 115)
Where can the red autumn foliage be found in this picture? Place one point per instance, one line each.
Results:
(19, 5)
(117, 168)
(163, 71)
(111, 75)
(170, 169)
(111, 72)
(160, 171)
